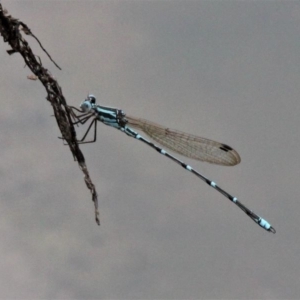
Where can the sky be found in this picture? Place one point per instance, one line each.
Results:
(225, 70)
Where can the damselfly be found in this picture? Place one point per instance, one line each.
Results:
(182, 143)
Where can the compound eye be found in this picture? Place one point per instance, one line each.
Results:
(86, 106)
(92, 98)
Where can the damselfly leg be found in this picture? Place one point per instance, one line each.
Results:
(82, 141)
(82, 119)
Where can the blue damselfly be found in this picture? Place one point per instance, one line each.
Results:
(182, 143)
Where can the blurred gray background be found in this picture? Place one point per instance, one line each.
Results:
(225, 70)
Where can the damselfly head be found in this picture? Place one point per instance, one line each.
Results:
(88, 103)
(86, 106)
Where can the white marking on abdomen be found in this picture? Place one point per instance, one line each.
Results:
(189, 168)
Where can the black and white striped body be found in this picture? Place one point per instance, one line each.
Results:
(116, 118)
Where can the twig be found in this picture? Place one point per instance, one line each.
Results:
(28, 32)
(10, 30)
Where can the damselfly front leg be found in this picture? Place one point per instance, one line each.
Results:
(82, 118)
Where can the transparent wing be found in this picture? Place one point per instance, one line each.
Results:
(186, 144)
